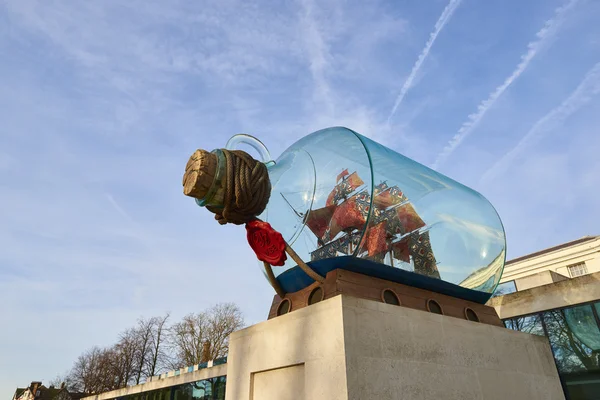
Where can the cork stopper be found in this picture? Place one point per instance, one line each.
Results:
(199, 174)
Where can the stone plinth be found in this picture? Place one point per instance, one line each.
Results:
(348, 348)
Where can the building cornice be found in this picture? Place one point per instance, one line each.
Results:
(584, 241)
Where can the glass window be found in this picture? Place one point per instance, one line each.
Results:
(163, 394)
(505, 288)
(582, 322)
(206, 389)
(529, 324)
(183, 392)
(220, 386)
(574, 337)
(202, 389)
(577, 270)
(209, 389)
(223, 360)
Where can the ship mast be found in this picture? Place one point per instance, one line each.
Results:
(299, 214)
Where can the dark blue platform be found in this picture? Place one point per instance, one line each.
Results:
(295, 279)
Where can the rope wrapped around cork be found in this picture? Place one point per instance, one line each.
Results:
(236, 188)
(246, 186)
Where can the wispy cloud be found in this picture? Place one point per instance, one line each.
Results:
(582, 95)
(543, 36)
(318, 56)
(105, 101)
(439, 25)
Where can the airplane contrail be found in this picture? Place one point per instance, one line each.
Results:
(439, 25)
(117, 207)
(585, 91)
(542, 37)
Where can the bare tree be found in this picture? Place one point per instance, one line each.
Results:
(213, 326)
(143, 337)
(187, 337)
(151, 346)
(156, 358)
(99, 370)
(65, 379)
(82, 372)
(224, 319)
(92, 371)
(124, 357)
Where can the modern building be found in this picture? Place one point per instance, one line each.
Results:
(37, 391)
(553, 293)
(556, 293)
(204, 381)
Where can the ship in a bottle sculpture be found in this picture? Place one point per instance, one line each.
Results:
(344, 203)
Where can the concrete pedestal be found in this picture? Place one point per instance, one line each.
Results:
(347, 348)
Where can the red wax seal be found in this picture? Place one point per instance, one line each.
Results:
(267, 243)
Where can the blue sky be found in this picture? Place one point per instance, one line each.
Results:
(101, 104)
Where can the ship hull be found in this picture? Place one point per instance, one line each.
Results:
(295, 279)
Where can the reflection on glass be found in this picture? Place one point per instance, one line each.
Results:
(574, 336)
(161, 394)
(219, 361)
(182, 392)
(209, 389)
(505, 288)
(206, 389)
(530, 324)
(571, 353)
(582, 322)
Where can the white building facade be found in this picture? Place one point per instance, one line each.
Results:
(556, 293)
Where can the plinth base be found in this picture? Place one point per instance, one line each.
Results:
(349, 348)
(340, 281)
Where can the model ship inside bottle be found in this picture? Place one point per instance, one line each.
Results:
(394, 235)
(343, 201)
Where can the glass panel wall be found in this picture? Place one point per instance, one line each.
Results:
(528, 324)
(574, 336)
(206, 389)
(505, 288)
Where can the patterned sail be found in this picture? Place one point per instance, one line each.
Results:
(387, 196)
(318, 220)
(395, 226)
(349, 215)
(343, 189)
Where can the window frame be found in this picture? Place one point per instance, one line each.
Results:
(581, 265)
